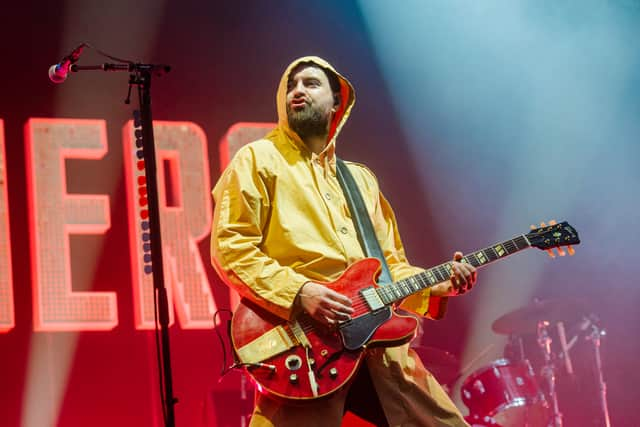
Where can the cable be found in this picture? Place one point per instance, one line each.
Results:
(225, 370)
(106, 55)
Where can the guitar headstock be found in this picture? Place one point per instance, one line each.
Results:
(554, 236)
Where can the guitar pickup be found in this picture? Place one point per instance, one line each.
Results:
(372, 298)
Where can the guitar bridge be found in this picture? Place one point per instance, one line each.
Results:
(299, 334)
(270, 344)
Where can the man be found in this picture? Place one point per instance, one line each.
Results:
(282, 225)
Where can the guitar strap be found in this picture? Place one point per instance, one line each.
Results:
(361, 220)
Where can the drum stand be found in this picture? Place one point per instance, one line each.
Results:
(594, 337)
(548, 371)
(515, 341)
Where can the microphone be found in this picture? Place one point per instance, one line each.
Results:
(58, 72)
(565, 348)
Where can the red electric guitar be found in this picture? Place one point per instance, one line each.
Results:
(303, 359)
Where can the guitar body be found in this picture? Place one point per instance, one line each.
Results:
(302, 359)
(332, 355)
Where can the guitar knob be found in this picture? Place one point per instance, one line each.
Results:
(293, 378)
(333, 373)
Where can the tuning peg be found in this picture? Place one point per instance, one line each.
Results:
(561, 251)
(552, 222)
(571, 250)
(551, 254)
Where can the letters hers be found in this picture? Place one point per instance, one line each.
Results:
(55, 215)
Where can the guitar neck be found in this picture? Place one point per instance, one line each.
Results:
(394, 292)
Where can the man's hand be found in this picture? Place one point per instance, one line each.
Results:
(463, 278)
(323, 304)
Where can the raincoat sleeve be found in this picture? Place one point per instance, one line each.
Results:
(386, 227)
(241, 210)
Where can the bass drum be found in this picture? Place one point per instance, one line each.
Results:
(507, 393)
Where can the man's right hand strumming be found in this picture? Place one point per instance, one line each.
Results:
(324, 304)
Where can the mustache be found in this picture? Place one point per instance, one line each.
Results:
(296, 100)
(305, 109)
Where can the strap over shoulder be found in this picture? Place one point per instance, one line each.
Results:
(361, 220)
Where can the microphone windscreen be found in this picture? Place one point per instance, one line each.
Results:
(57, 74)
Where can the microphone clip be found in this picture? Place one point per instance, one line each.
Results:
(58, 72)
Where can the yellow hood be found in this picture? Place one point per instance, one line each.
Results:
(347, 99)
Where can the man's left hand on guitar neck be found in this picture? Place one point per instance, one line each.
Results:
(462, 280)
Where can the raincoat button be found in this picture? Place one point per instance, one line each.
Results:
(344, 230)
(327, 196)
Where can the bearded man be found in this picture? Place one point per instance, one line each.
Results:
(282, 227)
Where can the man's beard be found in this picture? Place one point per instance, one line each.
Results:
(308, 122)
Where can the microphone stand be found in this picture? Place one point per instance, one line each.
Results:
(141, 77)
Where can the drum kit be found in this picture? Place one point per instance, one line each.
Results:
(519, 390)
(509, 392)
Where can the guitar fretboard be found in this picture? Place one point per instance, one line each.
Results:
(440, 273)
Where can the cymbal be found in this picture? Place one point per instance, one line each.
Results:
(525, 320)
(442, 364)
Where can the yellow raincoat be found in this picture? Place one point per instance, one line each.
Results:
(280, 221)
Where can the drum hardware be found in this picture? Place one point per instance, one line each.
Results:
(536, 319)
(564, 347)
(548, 371)
(595, 336)
(515, 341)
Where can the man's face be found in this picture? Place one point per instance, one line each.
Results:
(309, 101)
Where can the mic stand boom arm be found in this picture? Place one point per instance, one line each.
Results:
(130, 67)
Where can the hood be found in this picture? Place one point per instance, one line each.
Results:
(347, 99)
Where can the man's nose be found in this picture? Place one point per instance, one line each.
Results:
(298, 89)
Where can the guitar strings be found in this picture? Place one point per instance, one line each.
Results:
(511, 246)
